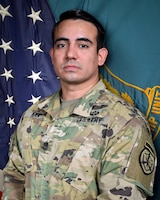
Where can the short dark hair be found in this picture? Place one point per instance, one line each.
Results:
(83, 15)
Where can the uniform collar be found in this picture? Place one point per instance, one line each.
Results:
(82, 108)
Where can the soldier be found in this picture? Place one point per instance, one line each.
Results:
(83, 142)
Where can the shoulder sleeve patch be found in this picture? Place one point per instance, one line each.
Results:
(147, 159)
(142, 163)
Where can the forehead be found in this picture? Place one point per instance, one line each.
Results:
(76, 28)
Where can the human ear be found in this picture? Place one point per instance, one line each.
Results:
(102, 55)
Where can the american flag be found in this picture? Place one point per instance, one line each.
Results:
(26, 71)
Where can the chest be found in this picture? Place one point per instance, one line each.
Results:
(59, 141)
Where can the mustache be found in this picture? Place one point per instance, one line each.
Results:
(72, 63)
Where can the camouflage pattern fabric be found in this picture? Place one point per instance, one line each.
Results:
(97, 148)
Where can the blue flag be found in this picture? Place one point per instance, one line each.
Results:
(26, 71)
(132, 67)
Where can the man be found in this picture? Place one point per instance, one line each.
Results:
(82, 142)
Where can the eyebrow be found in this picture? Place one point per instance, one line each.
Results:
(84, 39)
(60, 39)
(78, 39)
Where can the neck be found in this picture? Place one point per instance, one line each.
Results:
(75, 91)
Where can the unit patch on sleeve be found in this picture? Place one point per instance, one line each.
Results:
(147, 159)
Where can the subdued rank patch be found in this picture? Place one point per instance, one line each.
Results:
(96, 109)
(147, 159)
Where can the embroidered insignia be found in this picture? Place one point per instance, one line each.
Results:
(153, 113)
(147, 159)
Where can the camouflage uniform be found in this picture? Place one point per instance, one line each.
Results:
(97, 148)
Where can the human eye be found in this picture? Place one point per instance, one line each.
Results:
(84, 46)
(61, 45)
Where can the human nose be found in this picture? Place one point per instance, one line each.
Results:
(71, 52)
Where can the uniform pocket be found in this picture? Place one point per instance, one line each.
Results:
(82, 170)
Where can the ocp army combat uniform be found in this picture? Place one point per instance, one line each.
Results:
(96, 148)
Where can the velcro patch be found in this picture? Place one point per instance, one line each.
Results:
(147, 159)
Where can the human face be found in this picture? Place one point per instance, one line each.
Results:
(74, 54)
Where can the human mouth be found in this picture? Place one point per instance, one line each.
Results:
(71, 66)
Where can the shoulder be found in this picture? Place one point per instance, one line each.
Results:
(119, 111)
(40, 106)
